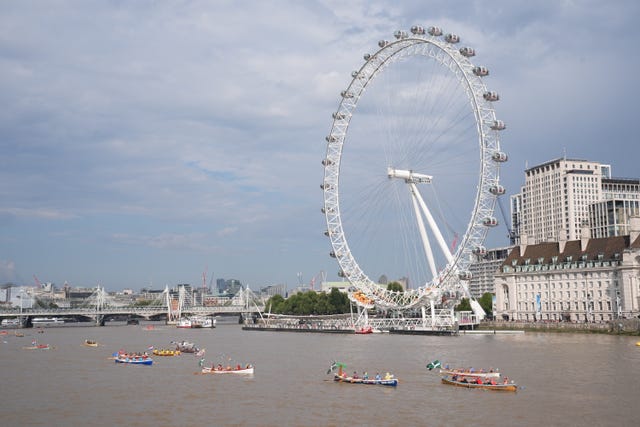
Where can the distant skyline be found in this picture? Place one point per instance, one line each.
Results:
(144, 143)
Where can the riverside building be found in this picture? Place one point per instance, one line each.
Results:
(581, 280)
(554, 201)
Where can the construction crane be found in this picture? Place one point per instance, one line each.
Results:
(321, 275)
(511, 233)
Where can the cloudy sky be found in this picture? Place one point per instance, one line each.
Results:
(144, 143)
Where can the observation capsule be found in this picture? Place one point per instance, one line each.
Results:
(435, 31)
(339, 116)
(400, 34)
(324, 186)
(326, 162)
(498, 125)
(465, 275)
(452, 38)
(323, 210)
(480, 71)
(500, 157)
(490, 221)
(416, 29)
(326, 233)
(346, 94)
(331, 138)
(497, 190)
(479, 250)
(467, 51)
(367, 56)
(383, 43)
(491, 96)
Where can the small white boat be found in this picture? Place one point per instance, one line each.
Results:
(10, 322)
(194, 322)
(246, 370)
(47, 321)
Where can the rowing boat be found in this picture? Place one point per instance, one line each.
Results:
(496, 387)
(90, 343)
(209, 370)
(350, 380)
(164, 352)
(470, 374)
(134, 360)
(38, 347)
(340, 376)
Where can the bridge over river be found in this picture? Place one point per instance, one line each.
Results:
(99, 307)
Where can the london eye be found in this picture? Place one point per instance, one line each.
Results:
(411, 171)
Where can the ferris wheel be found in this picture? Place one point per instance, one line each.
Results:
(411, 181)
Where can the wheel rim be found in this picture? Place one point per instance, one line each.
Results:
(419, 103)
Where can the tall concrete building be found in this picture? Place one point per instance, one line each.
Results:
(554, 201)
(483, 271)
(620, 201)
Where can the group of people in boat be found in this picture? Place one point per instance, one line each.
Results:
(365, 376)
(238, 367)
(478, 380)
(470, 370)
(122, 355)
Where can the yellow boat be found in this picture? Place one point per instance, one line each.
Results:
(157, 352)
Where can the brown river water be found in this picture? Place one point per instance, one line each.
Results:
(564, 379)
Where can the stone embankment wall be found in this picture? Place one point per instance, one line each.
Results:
(619, 326)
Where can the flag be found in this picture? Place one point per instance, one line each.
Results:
(201, 362)
(435, 364)
(334, 366)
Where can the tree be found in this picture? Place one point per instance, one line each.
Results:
(310, 302)
(465, 305)
(395, 287)
(486, 302)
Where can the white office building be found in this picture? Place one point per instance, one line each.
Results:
(620, 201)
(555, 200)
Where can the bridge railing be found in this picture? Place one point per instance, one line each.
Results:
(143, 311)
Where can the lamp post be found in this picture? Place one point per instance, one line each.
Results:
(19, 297)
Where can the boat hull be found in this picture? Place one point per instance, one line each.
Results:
(166, 353)
(38, 347)
(245, 371)
(393, 382)
(470, 374)
(135, 361)
(47, 321)
(494, 387)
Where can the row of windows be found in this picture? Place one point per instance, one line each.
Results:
(610, 293)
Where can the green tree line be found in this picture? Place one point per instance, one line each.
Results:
(310, 303)
(485, 301)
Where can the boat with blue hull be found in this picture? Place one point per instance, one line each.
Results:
(134, 360)
(342, 377)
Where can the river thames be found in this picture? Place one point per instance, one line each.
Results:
(564, 379)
